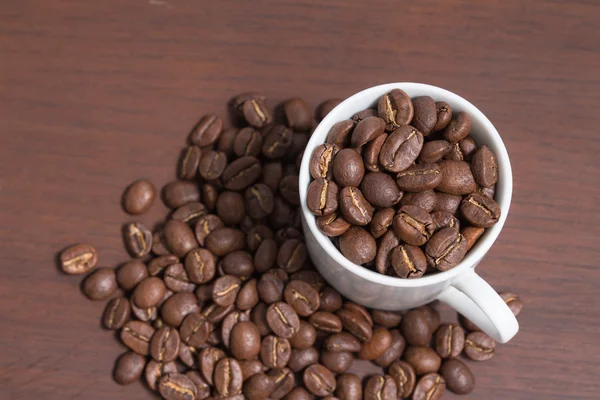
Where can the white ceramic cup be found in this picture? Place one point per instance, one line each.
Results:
(460, 287)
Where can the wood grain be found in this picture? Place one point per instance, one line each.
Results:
(96, 94)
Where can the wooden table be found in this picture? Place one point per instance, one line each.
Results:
(96, 94)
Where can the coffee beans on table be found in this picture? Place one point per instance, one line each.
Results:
(221, 299)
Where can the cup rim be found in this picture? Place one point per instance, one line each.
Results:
(343, 111)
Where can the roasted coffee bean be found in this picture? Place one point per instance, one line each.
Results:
(188, 162)
(210, 193)
(424, 359)
(425, 114)
(226, 141)
(177, 307)
(258, 387)
(380, 387)
(143, 314)
(158, 264)
(434, 151)
(228, 378)
(205, 224)
(325, 108)
(202, 388)
(381, 222)
(376, 345)
(248, 142)
(207, 131)
(207, 360)
(215, 313)
(419, 177)
(271, 175)
(395, 108)
(358, 246)
(200, 265)
(313, 278)
(459, 378)
(177, 280)
(445, 249)
(479, 346)
(305, 337)
(278, 219)
(225, 240)
(78, 259)
(380, 189)
(256, 112)
(139, 197)
(513, 301)
(366, 130)
(178, 193)
(231, 208)
(297, 114)
(355, 208)
(266, 255)
(299, 393)
(238, 263)
(176, 386)
(468, 147)
(302, 297)
(388, 319)
(415, 328)
(403, 375)
(195, 329)
(340, 134)
(387, 244)
(394, 352)
(291, 255)
(426, 200)
(248, 296)
(229, 322)
(480, 211)
(443, 219)
(116, 313)
(408, 261)
(331, 300)
(319, 380)
(130, 274)
(241, 173)
(149, 292)
(278, 142)
(250, 368)
(356, 323)
(129, 368)
(322, 197)
(444, 115)
(413, 225)
(401, 149)
(429, 387)
(100, 284)
(447, 202)
(371, 153)
(348, 168)
(164, 345)
(349, 387)
(179, 237)
(284, 380)
(455, 153)
(136, 336)
(275, 352)
(155, 370)
(457, 178)
(449, 340)
(471, 235)
(283, 320)
(259, 201)
(138, 239)
(321, 161)
(256, 235)
(245, 340)
(325, 321)
(226, 289)
(302, 358)
(333, 225)
(458, 128)
(270, 288)
(189, 213)
(337, 362)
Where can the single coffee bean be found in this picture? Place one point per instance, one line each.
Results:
(355, 208)
(250, 368)
(302, 358)
(297, 114)
(157, 265)
(401, 149)
(387, 244)
(449, 340)
(283, 320)
(348, 168)
(229, 322)
(131, 273)
(396, 109)
(319, 380)
(342, 341)
(188, 162)
(377, 345)
(231, 208)
(136, 335)
(371, 153)
(349, 387)
(116, 313)
(138, 239)
(155, 370)
(275, 352)
(279, 217)
(366, 130)
(424, 359)
(228, 378)
(189, 213)
(226, 289)
(285, 381)
(78, 259)
(238, 263)
(415, 328)
(413, 225)
(248, 142)
(443, 219)
(381, 222)
(266, 255)
(333, 225)
(100, 284)
(272, 174)
(513, 301)
(479, 346)
(129, 368)
(408, 261)
(457, 178)
(138, 197)
(459, 378)
(358, 246)
(258, 201)
(325, 321)
(278, 142)
(419, 177)
(258, 387)
(224, 241)
(207, 131)
(178, 193)
(394, 352)
(444, 115)
(256, 235)
(207, 360)
(248, 296)
(337, 362)
(149, 292)
(322, 197)
(258, 315)
(256, 112)
(305, 337)
(241, 173)
(404, 376)
(425, 114)
(380, 190)
(429, 387)
(380, 387)
(468, 147)
(176, 386)
(270, 288)
(210, 193)
(292, 255)
(200, 265)
(321, 161)
(434, 151)
(458, 128)
(480, 211)
(245, 340)
(195, 329)
(164, 345)
(177, 307)
(388, 319)
(471, 235)
(202, 388)
(325, 108)
(447, 202)
(356, 323)
(445, 249)
(159, 245)
(426, 200)
(340, 134)
(180, 237)
(226, 141)
(302, 297)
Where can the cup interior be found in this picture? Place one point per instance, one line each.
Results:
(482, 131)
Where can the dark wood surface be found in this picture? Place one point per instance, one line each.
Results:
(94, 94)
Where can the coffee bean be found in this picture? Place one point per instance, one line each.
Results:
(177, 307)
(444, 115)
(429, 387)
(319, 380)
(138, 239)
(251, 368)
(413, 225)
(415, 328)
(432, 315)
(458, 128)
(176, 386)
(130, 274)
(480, 211)
(395, 108)
(270, 288)
(456, 178)
(200, 265)
(297, 114)
(366, 130)
(284, 380)
(256, 236)
(238, 263)
(394, 352)
(340, 134)
(278, 142)
(275, 352)
(348, 168)
(155, 267)
(376, 345)
(380, 387)
(513, 301)
(116, 313)
(136, 335)
(426, 200)
(443, 219)
(189, 213)
(381, 221)
(449, 340)
(226, 141)
(322, 197)
(272, 174)
(138, 197)
(245, 340)
(434, 151)
(424, 359)
(355, 208)
(228, 378)
(425, 114)
(471, 235)
(226, 289)
(325, 321)
(403, 375)
(207, 131)
(302, 297)
(371, 153)
(202, 388)
(78, 259)
(388, 319)
(337, 362)
(178, 193)
(210, 193)
(100, 284)
(299, 393)
(258, 201)
(387, 244)
(258, 387)
(149, 292)
(229, 322)
(266, 255)
(333, 225)
(447, 202)
(291, 255)
(188, 162)
(401, 148)
(408, 261)
(248, 142)
(155, 370)
(164, 345)
(248, 296)
(459, 379)
(419, 177)
(231, 208)
(321, 161)
(479, 346)
(224, 241)
(143, 314)
(129, 368)
(282, 319)
(212, 165)
(241, 173)
(380, 190)
(356, 323)
(305, 337)
(468, 147)
(179, 237)
(207, 360)
(349, 387)
(358, 246)
(445, 249)
(302, 358)
(325, 108)
(195, 329)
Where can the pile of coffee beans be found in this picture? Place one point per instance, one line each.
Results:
(404, 189)
(221, 300)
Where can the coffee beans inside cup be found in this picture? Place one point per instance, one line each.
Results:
(403, 188)
(221, 299)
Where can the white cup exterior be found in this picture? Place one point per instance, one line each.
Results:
(460, 287)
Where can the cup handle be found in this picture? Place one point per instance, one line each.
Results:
(474, 298)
